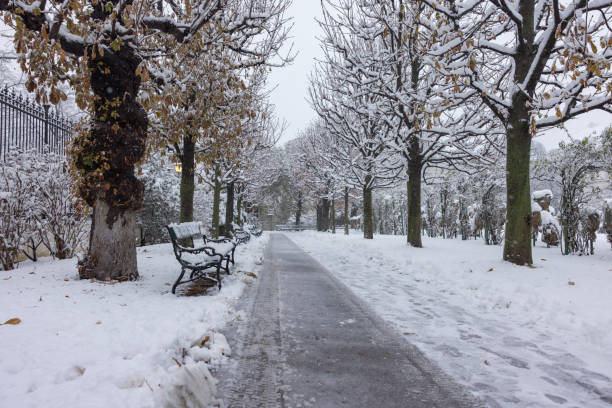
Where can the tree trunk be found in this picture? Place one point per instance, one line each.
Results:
(346, 211)
(239, 210)
(187, 179)
(298, 211)
(229, 210)
(333, 216)
(105, 159)
(324, 214)
(414, 205)
(517, 247)
(112, 247)
(216, 204)
(368, 214)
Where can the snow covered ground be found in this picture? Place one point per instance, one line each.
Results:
(83, 344)
(515, 336)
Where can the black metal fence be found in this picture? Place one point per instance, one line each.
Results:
(27, 125)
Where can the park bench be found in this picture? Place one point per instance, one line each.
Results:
(255, 231)
(223, 246)
(199, 260)
(241, 236)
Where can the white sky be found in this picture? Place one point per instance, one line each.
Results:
(291, 83)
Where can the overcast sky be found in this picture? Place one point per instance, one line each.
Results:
(292, 83)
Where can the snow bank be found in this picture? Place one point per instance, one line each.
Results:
(535, 207)
(538, 195)
(515, 336)
(549, 219)
(134, 344)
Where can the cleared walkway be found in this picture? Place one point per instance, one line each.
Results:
(309, 342)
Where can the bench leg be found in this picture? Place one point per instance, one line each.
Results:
(219, 275)
(233, 250)
(178, 281)
(227, 269)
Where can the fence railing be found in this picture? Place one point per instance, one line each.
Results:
(27, 125)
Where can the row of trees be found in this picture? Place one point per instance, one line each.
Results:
(151, 74)
(415, 89)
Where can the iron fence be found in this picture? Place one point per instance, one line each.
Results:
(26, 125)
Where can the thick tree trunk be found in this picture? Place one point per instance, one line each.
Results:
(216, 205)
(229, 209)
(414, 204)
(105, 159)
(112, 247)
(346, 211)
(368, 214)
(517, 247)
(187, 179)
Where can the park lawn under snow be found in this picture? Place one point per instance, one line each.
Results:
(84, 344)
(515, 336)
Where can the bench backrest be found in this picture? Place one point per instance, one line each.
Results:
(186, 230)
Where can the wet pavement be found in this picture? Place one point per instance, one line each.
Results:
(309, 342)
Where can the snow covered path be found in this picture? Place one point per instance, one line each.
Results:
(311, 342)
(516, 337)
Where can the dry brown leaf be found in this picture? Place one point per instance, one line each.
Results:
(543, 259)
(251, 274)
(14, 321)
(177, 362)
(98, 322)
(490, 270)
(571, 283)
(203, 343)
(168, 284)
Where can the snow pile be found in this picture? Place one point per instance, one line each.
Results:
(540, 194)
(535, 207)
(549, 219)
(133, 344)
(515, 336)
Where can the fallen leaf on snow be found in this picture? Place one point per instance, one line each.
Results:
(571, 283)
(543, 259)
(203, 343)
(251, 274)
(490, 270)
(168, 284)
(98, 322)
(13, 321)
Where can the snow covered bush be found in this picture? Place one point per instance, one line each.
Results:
(16, 209)
(573, 168)
(39, 206)
(60, 216)
(608, 220)
(161, 200)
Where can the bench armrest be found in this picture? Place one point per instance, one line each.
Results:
(210, 251)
